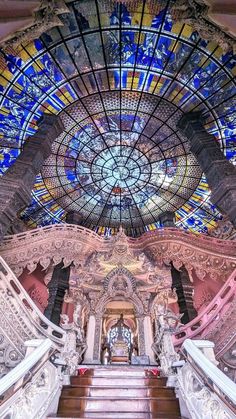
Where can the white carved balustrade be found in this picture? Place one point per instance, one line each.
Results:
(17, 296)
(20, 320)
(206, 391)
(206, 321)
(37, 397)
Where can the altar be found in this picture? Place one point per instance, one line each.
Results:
(120, 342)
(115, 298)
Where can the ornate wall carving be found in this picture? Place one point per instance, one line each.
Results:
(70, 243)
(195, 13)
(37, 297)
(120, 283)
(20, 321)
(212, 317)
(93, 254)
(97, 338)
(10, 354)
(45, 17)
(141, 338)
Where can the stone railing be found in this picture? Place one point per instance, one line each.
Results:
(206, 321)
(37, 397)
(206, 391)
(20, 320)
(71, 243)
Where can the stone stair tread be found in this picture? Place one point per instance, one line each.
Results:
(145, 377)
(122, 415)
(118, 393)
(120, 367)
(115, 415)
(92, 412)
(118, 386)
(117, 398)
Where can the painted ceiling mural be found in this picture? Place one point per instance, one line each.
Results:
(120, 77)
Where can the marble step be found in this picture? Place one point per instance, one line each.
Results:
(119, 404)
(120, 391)
(118, 381)
(115, 415)
(110, 371)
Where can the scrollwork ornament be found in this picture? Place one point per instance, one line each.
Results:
(21, 251)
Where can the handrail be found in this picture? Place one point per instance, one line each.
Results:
(205, 318)
(24, 366)
(207, 382)
(221, 381)
(27, 304)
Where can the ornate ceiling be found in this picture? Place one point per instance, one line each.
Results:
(120, 76)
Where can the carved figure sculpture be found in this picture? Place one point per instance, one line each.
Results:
(166, 323)
(75, 344)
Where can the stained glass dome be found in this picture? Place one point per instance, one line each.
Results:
(120, 76)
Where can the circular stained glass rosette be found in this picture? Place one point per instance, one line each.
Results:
(115, 170)
(120, 76)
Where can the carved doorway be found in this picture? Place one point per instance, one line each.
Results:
(119, 340)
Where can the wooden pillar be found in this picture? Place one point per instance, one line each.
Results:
(220, 173)
(57, 288)
(184, 290)
(17, 183)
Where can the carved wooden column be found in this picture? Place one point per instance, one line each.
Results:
(97, 340)
(148, 337)
(184, 291)
(60, 281)
(141, 338)
(167, 219)
(18, 181)
(90, 339)
(220, 173)
(57, 288)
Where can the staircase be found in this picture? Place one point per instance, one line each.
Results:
(118, 392)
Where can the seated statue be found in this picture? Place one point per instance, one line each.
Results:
(120, 333)
(120, 352)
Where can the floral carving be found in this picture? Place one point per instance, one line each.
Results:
(69, 244)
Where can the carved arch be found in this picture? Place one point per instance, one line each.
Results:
(120, 284)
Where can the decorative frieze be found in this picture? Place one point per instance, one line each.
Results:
(56, 243)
